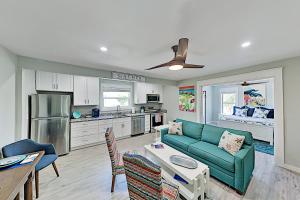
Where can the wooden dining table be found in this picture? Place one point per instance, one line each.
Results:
(12, 181)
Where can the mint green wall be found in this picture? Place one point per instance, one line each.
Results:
(291, 81)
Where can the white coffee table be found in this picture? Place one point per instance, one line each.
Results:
(198, 179)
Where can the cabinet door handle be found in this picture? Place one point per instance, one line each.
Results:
(88, 101)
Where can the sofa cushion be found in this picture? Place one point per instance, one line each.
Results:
(180, 141)
(191, 129)
(213, 154)
(248, 136)
(212, 134)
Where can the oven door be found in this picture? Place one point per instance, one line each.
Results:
(156, 120)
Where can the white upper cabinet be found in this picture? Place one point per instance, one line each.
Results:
(86, 90)
(80, 90)
(140, 93)
(64, 82)
(48, 81)
(93, 90)
(142, 89)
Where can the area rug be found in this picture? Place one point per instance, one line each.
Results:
(263, 147)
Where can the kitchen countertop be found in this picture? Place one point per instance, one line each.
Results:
(112, 116)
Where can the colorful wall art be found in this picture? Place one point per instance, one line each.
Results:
(255, 95)
(187, 101)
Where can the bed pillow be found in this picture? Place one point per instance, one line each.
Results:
(250, 112)
(175, 128)
(260, 113)
(236, 107)
(242, 112)
(231, 143)
(271, 113)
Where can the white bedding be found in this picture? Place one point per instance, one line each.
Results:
(252, 120)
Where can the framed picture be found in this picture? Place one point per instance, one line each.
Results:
(187, 101)
(255, 95)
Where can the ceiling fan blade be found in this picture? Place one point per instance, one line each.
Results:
(159, 66)
(182, 49)
(247, 84)
(257, 83)
(192, 66)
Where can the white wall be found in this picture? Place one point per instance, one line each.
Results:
(8, 65)
(171, 99)
(28, 88)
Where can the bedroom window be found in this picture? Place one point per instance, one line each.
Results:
(228, 101)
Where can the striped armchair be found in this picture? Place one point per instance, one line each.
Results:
(144, 180)
(115, 157)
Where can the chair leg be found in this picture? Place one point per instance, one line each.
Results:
(55, 169)
(36, 178)
(113, 183)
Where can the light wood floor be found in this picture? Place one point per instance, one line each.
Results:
(86, 175)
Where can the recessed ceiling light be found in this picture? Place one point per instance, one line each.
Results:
(246, 44)
(103, 49)
(175, 67)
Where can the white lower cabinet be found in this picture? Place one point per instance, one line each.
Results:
(84, 133)
(103, 126)
(93, 132)
(147, 123)
(122, 127)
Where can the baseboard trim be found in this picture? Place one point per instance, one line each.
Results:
(292, 168)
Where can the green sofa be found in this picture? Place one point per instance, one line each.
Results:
(201, 142)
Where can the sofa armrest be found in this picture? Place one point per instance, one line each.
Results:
(163, 132)
(244, 166)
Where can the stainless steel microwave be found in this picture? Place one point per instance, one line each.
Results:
(153, 98)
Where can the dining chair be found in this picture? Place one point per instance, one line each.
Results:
(144, 180)
(28, 146)
(117, 166)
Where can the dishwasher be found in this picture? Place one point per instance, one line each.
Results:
(137, 125)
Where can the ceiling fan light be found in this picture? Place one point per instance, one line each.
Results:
(175, 67)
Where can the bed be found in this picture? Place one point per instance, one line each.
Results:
(261, 129)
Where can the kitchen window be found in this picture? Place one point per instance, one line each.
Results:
(228, 101)
(116, 93)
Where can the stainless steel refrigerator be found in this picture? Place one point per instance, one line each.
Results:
(50, 120)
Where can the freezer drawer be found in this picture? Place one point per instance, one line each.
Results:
(54, 131)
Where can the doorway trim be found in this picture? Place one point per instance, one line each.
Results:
(276, 74)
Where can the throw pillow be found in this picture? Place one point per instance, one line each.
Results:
(231, 143)
(242, 112)
(175, 128)
(260, 113)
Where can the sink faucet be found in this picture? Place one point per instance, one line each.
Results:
(118, 109)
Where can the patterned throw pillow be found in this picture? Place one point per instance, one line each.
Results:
(175, 128)
(260, 113)
(231, 143)
(242, 112)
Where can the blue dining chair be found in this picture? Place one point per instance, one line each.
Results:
(28, 146)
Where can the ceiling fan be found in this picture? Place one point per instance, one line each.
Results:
(245, 83)
(178, 62)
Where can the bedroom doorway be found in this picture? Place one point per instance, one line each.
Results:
(247, 106)
(229, 98)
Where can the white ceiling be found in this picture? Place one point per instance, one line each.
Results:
(139, 33)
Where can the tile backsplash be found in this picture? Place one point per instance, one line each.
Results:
(87, 110)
